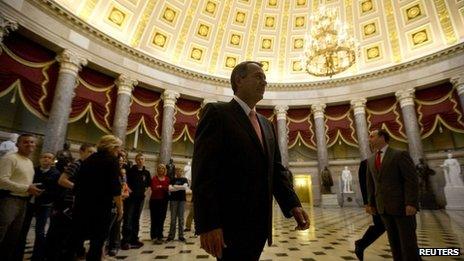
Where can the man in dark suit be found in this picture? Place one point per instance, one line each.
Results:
(392, 185)
(374, 231)
(236, 169)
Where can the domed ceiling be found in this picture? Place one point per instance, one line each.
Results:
(211, 36)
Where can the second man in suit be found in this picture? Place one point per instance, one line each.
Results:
(392, 185)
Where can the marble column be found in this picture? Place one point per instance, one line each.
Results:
(55, 132)
(169, 102)
(282, 132)
(406, 99)
(6, 26)
(125, 86)
(362, 133)
(322, 157)
(458, 83)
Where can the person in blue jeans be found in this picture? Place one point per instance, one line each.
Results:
(46, 177)
(177, 188)
(138, 180)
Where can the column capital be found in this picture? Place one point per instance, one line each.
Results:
(281, 112)
(206, 101)
(359, 105)
(405, 97)
(125, 84)
(458, 83)
(170, 97)
(70, 62)
(7, 25)
(318, 110)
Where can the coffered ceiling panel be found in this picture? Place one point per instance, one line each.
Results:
(212, 36)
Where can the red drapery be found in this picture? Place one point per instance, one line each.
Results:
(95, 98)
(301, 128)
(386, 113)
(186, 119)
(29, 70)
(438, 106)
(144, 111)
(340, 125)
(268, 113)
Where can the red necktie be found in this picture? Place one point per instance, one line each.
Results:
(378, 160)
(254, 122)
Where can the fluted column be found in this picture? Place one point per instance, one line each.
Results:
(169, 102)
(55, 132)
(125, 86)
(406, 99)
(362, 133)
(322, 158)
(6, 26)
(458, 83)
(282, 132)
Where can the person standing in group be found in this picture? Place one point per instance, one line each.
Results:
(59, 232)
(40, 207)
(138, 180)
(114, 240)
(393, 193)
(236, 170)
(374, 231)
(158, 203)
(97, 188)
(177, 189)
(16, 177)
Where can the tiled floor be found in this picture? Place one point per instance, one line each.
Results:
(331, 237)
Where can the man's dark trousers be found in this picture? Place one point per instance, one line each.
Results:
(372, 233)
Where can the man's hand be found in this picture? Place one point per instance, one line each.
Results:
(371, 210)
(301, 218)
(410, 210)
(34, 190)
(213, 242)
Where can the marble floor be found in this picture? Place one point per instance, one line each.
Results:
(331, 237)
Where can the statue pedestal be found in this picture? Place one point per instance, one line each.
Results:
(349, 199)
(454, 198)
(329, 201)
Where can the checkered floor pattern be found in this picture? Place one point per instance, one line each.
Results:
(331, 237)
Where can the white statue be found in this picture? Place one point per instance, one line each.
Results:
(347, 179)
(452, 171)
(188, 171)
(9, 145)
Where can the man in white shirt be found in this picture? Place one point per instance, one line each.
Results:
(16, 176)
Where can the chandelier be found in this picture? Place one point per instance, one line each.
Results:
(329, 50)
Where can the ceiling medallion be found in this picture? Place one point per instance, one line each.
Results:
(159, 39)
(116, 16)
(413, 12)
(420, 37)
(240, 17)
(210, 7)
(169, 14)
(235, 39)
(367, 6)
(373, 52)
(329, 49)
(231, 62)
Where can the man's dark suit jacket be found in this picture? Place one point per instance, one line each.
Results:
(234, 177)
(395, 185)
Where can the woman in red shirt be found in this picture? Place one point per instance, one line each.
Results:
(158, 203)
